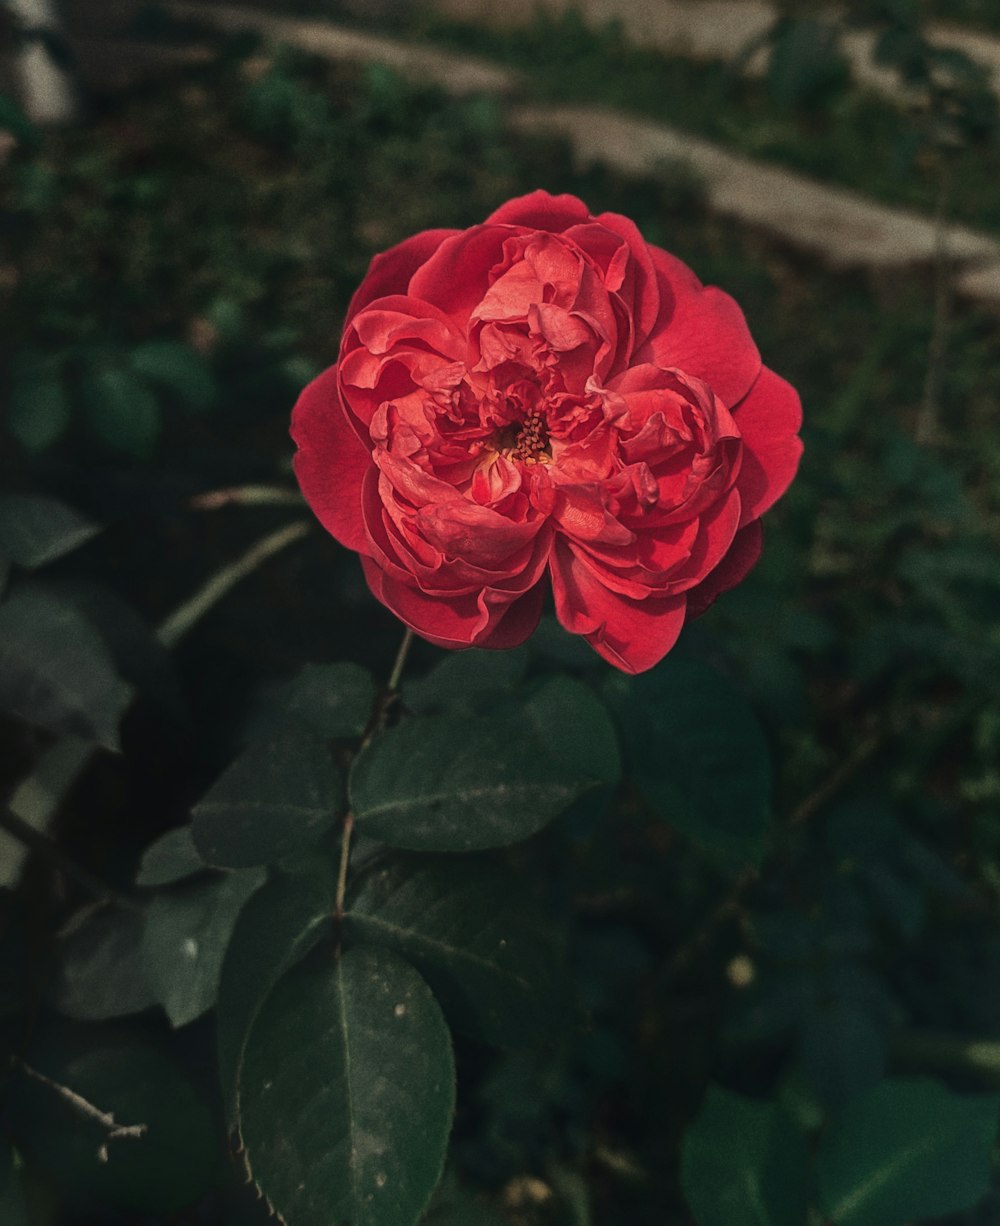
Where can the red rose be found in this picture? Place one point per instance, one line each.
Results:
(546, 397)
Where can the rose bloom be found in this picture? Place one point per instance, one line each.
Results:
(543, 399)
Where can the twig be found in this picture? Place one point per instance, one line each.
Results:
(247, 496)
(184, 618)
(924, 1048)
(86, 1109)
(841, 776)
(38, 842)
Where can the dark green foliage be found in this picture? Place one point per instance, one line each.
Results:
(475, 934)
(698, 756)
(351, 1122)
(760, 886)
(908, 1148)
(276, 800)
(437, 783)
(744, 1163)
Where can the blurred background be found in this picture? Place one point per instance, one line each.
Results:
(189, 193)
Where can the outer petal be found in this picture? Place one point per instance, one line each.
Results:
(390, 271)
(769, 418)
(733, 569)
(702, 331)
(541, 211)
(331, 461)
(475, 620)
(633, 635)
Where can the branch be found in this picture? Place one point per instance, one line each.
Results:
(87, 1110)
(247, 496)
(184, 618)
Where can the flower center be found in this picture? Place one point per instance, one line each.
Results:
(527, 441)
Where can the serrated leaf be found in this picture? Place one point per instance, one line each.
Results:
(347, 1088)
(34, 531)
(122, 409)
(178, 367)
(440, 783)
(186, 937)
(172, 1166)
(38, 409)
(332, 700)
(698, 755)
(744, 1163)
(907, 1149)
(280, 924)
(471, 929)
(171, 858)
(55, 671)
(101, 969)
(274, 801)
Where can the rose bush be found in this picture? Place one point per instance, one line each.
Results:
(546, 397)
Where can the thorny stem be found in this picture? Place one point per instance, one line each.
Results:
(380, 712)
(87, 1109)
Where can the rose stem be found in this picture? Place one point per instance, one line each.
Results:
(378, 717)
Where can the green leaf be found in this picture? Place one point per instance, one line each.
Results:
(332, 700)
(173, 1165)
(101, 970)
(178, 368)
(842, 1051)
(38, 408)
(55, 671)
(470, 927)
(347, 1089)
(466, 681)
(172, 857)
(280, 924)
(698, 755)
(34, 531)
(907, 1149)
(187, 933)
(576, 729)
(744, 1163)
(274, 801)
(440, 783)
(122, 409)
(13, 1211)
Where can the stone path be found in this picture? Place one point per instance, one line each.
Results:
(842, 228)
(711, 30)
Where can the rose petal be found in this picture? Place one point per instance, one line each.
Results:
(466, 621)
(733, 569)
(633, 635)
(541, 211)
(331, 461)
(769, 418)
(390, 271)
(701, 331)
